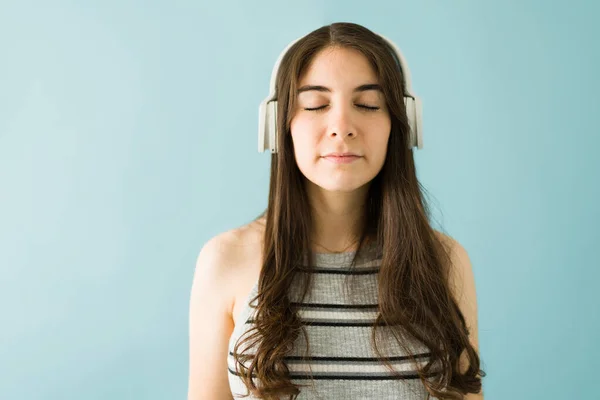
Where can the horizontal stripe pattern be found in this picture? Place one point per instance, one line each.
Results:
(338, 316)
(342, 271)
(340, 375)
(348, 366)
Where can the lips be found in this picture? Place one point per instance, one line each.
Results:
(344, 154)
(342, 159)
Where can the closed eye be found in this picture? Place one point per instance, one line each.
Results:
(372, 108)
(363, 106)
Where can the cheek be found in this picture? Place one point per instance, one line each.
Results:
(383, 144)
(304, 137)
(378, 147)
(384, 135)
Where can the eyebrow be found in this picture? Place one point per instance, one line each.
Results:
(319, 88)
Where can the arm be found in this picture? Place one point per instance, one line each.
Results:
(210, 325)
(462, 283)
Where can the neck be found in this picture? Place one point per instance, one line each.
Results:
(338, 218)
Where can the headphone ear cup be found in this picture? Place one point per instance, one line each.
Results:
(418, 122)
(272, 125)
(267, 126)
(409, 102)
(263, 134)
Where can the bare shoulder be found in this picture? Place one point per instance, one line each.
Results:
(219, 268)
(462, 284)
(241, 242)
(233, 244)
(461, 269)
(447, 241)
(235, 253)
(247, 237)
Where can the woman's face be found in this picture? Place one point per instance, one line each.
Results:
(339, 109)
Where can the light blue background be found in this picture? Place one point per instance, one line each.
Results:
(128, 138)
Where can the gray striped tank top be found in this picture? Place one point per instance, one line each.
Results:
(339, 320)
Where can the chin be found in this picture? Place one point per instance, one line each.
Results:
(338, 181)
(337, 186)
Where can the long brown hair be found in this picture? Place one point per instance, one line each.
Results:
(414, 292)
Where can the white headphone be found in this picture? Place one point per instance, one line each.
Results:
(267, 111)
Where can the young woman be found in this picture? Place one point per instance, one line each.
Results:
(341, 288)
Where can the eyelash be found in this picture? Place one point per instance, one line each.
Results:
(365, 107)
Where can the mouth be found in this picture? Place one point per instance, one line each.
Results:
(344, 154)
(342, 159)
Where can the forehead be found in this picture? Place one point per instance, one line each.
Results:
(339, 66)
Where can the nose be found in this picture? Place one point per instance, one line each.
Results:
(341, 123)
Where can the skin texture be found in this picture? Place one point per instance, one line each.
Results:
(343, 124)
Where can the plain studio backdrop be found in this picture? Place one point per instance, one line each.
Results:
(128, 137)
